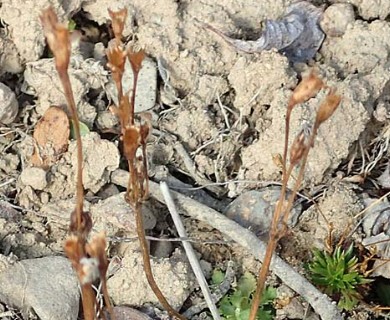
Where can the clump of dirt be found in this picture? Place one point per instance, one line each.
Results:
(128, 286)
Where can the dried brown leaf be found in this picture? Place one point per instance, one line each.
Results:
(51, 136)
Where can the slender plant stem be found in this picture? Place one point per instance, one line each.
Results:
(273, 240)
(88, 298)
(64, 77)
(147, 264)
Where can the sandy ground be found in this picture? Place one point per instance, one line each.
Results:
(218, 116)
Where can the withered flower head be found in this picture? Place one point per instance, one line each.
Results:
(58, 38)
(136, 59)
(327, 107)
(116, 58)
(74, 250)
(131, 142)
(298, 148)
(96, 248)
(88, 270)
(86, 224)
(306, 89)
(118, 19)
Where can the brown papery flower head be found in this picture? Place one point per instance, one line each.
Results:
(306, 89)
(58, 38)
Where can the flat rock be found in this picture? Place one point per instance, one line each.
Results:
(145, 97)
(47, 286)
(254, 209)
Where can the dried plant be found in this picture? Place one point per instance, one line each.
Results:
(88, 258)
(134, 133)
(299, 151)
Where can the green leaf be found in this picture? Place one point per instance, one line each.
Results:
(217, 277)
(268, 296)
(244, 314)
(247, 284)
(84, 130)
(236, 299)
(71, 25)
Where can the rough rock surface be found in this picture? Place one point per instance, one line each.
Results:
(48, 286)
(9, 106)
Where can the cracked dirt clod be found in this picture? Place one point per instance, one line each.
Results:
(128, 286)
(22, 19)
(363, 47)
(370, 9)
(47, 286)
(247, 79)
(34, 177)
(9, 106)
(41, 80)
(100, 158)
(337, 18)
(330, 146)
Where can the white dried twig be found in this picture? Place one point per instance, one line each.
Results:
(194, 262)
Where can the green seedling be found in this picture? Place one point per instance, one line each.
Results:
(71, 25)
(338, 275)
(236, 305)
(84, 130)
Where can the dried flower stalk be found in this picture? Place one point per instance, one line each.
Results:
(299, 152)
(88, 259)
(134, 136)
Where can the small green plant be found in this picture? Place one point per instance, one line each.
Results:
(237, 304)
(337, 273)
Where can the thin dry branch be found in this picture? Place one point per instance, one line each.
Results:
(194, 262)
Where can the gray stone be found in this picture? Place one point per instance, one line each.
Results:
(254, 210)
(47, 286)
(145, 97)
(9, 106)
